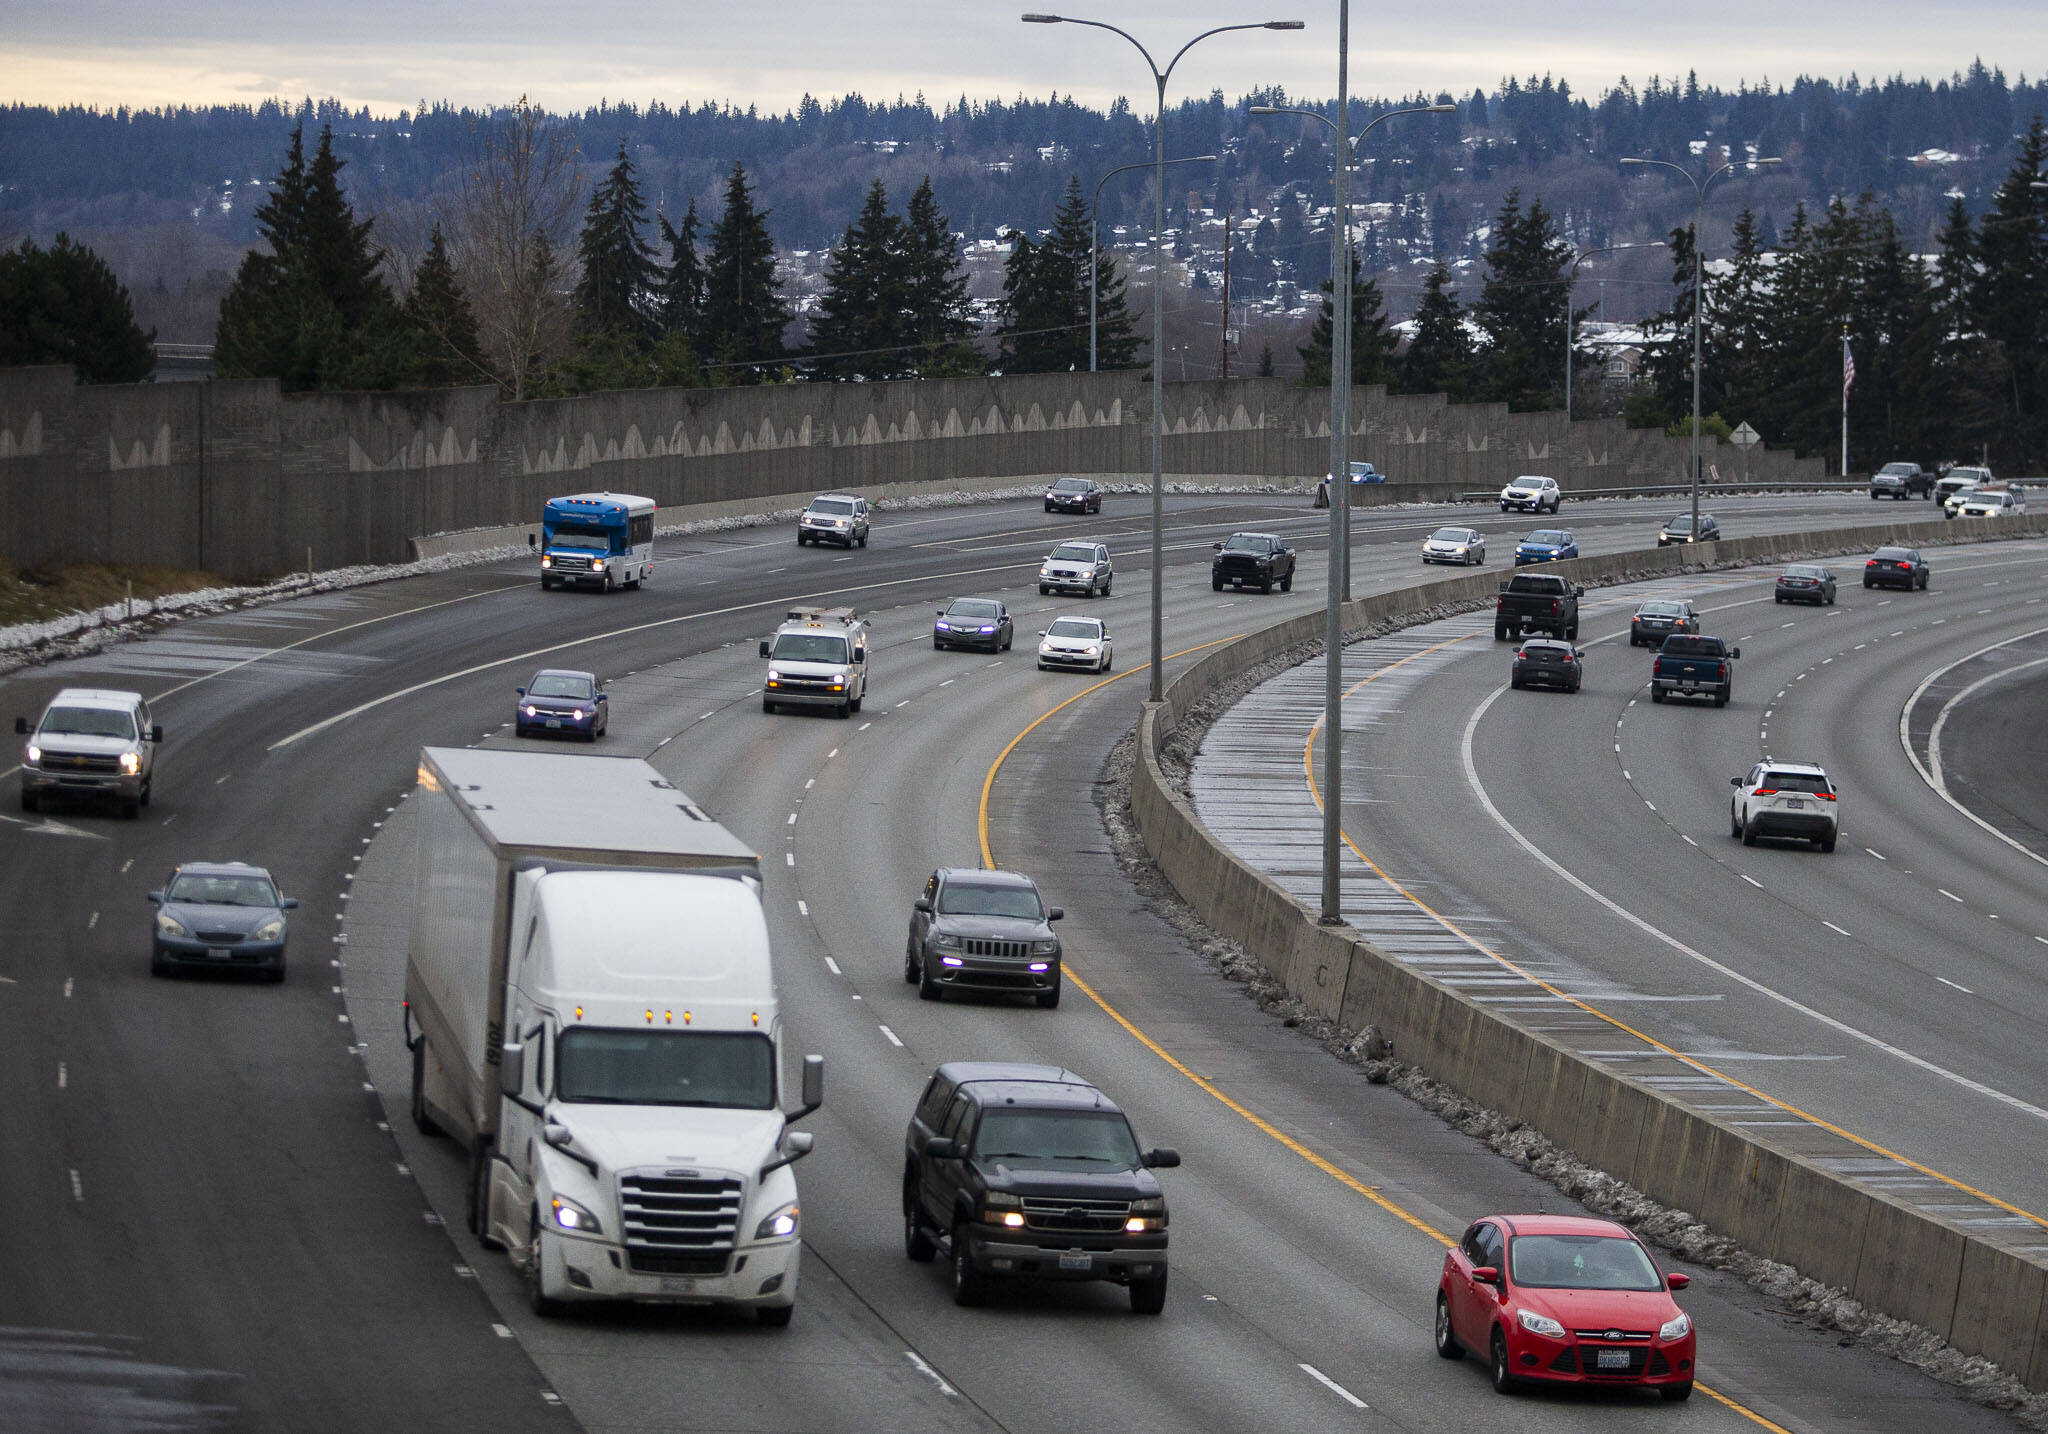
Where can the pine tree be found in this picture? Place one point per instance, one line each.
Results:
(2009, 300)
(1521, 306)
(939, 313)
(448, 352)
(1265, 361)
(1968, 381)
(1025, 341)
(1439, 357)
(1372, 340)
(862, 324)
(744, 312)
(681, 284)
(617, 290)
(1045, 300)
(1896, 331)
(64, 305)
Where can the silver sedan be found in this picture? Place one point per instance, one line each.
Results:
(1464, 546)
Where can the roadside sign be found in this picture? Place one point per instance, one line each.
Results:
(1745, 437)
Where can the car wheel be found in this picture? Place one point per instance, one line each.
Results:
(1049, 1000)
(421, 1121)
(766, 705)
(1287, 583)
(147, 791)
(1008, 639)
(927, 988)
(938, 646)
(1265, 585)
(1677, 1393)
(1826, 843)
(1575, 684)
(970, 1286)
(855, 703)
(1048, 507)
(1656, 694)
(844, 710)
(863, 540)
(537, 1297)
(1446, 1338)
(1721, 698)
(157, 965)
(917, 1242)
(1215, 585)
(1504, 1382)
(1500, 634)
(131, 808)
(1868, 584)
(774, 1316)
(1749, 833)
(1106, 584)
(1515, 681)
(29, 800)
(1043, 589)
(1148, 1297)
(1571, 634)
(1734, 822)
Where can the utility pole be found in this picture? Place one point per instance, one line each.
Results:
(1223, 365)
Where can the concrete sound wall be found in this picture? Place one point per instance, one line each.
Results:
(1960, 1283)
(234, 477)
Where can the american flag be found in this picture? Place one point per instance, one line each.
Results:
(1848, 365)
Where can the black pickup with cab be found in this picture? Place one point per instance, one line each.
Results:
(1537, 602)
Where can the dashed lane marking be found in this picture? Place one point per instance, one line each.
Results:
(1834, 928)
(1333, 1386)
(894, 1039)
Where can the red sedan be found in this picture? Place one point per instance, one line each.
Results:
(1563, 1299)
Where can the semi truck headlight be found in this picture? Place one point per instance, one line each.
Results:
(169, 925)
(571, 1216)
(779, 1226)
(270, 930)
(131, 763)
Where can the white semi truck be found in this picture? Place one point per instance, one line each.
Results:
(592, 1012)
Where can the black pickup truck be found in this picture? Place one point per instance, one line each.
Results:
(1688, 666)
(1537, 602)
(1030, 1171)
(1253, 559)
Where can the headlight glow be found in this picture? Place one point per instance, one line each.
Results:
(773, 675)
(571, 1216)
(1540, 1324)
(988, 629)
(943, 626)
(1677, 1328)
(169, 925)
(269, 930)
(546, 561)
(1045, 948)
(779, 1226)
(35, 754)
(131, 763)
(530, 710)
(1093, 649)
(597, 565)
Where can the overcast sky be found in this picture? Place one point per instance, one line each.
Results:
(388, 54)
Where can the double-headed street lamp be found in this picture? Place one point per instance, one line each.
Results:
(1094, 208)
(1571, 280)
(1159, 79)
(1698, 296)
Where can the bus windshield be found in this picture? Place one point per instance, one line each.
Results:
(582, 535)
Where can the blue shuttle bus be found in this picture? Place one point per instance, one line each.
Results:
(603, 539)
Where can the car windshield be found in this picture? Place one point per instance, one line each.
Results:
(1894, 555)
(963, 898)
(557, 684)
(1796, 781)
(1805, 572)
(1072, 627)
(1902, 469)
(1549, 538)
(809, 647)
(1073, 553)
(1072, 485)
(196, 890)
(1981, 499)
(579, 535)
(831, 505)
(732, 1070)
(1526, 485)
(1243, 544)
(1451, 535)
(1100, 1138)
(974, 607)
(1661, 609)
(1692, 647)
(88, 722)
(1581, 1262)
(1546, 651)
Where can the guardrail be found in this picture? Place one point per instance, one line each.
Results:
(1980, 1296)
(1707, 490)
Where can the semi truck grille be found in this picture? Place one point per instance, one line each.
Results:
(675, 1216)
(1081, 1217)
(652, 1262)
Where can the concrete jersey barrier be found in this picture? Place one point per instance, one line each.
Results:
(1982, 1298)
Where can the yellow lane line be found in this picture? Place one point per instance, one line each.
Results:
(1308, 768)
(1258, 1122)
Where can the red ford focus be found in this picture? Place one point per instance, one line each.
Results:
(1563, 1299)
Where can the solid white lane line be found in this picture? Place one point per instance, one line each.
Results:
(1688, 840)
(1623, 913)
(1930, 771)
(1946, 982)
(894, 1039)
(1334, 1387)
(1832, 927)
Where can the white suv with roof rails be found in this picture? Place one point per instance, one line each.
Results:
(90, 742)
(835, 518)
(1794, 800)
(1531, 493)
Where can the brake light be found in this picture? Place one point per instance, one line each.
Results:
(1826, 796)
(1720, 669)
(1500, 602)
(1871, 564)
(1566, 658)
(1657, 668)
(1555, 604)
(1765, 792)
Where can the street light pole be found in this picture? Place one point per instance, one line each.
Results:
(1569, 325)
(1340, 465)
(1094, 206)
(1159, 79)
(1698, 297)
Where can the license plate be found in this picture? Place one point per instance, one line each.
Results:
(554, 721)
(1613, 1359)
(1077, 1260)
(683, 1285)
(218, 953)
(1796, 806)
(1688, 687)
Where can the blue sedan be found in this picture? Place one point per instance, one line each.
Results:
(573, 704)
(1546, 545)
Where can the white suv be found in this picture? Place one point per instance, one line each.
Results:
(1532, 494)
(1785, 799)
(90, 742)
(1082, 568)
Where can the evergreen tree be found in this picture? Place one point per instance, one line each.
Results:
(939, 311)
(681, 283)
(448, 352)
(1265, 361)
(313, 312)
(2009, 301)
(64, 305)
(1743, 320)
(1896, 331)
(863, 317)
(1044, 326)
(618, 287)
(744, 312)
(1026, 336)
(1968, 382)
(1372, 340)
(1521, 306)
(1439, 357)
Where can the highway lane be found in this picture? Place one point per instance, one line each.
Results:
(1920, 933)
(229, 1161)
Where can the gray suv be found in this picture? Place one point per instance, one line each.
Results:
(974, 930)
(90, 742)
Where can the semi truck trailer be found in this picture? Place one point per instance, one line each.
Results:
(591, 1010)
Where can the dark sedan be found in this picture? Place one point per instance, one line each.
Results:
(974, 623)
(1805, 582)
(1547, 662)
(1074, 495)
(557, 700)
(225, 916)
(1658, 619)
(1679, 530)
(1895, 568)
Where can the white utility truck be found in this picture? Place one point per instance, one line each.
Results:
(592, 1012)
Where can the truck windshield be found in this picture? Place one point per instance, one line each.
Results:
(87, 722)
(1057, 1138)
(809, 647)
(731, 1070)
(580, 535)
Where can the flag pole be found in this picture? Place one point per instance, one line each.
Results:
(1848, 376)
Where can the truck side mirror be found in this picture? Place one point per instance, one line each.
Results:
(21, 726)
(1735, 652)
(814, 1083)
(1162, 1158)
(764, 647)
(1056, 913)
(511, 1068)
(559, 1136)
(944, 1150)
(1217, 546)
(921, 904)
(531, 540)
(1578, 592)
(520, 690)
(156, 734)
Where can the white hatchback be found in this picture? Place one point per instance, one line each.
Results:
(1794, 800)
(1075, 644)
